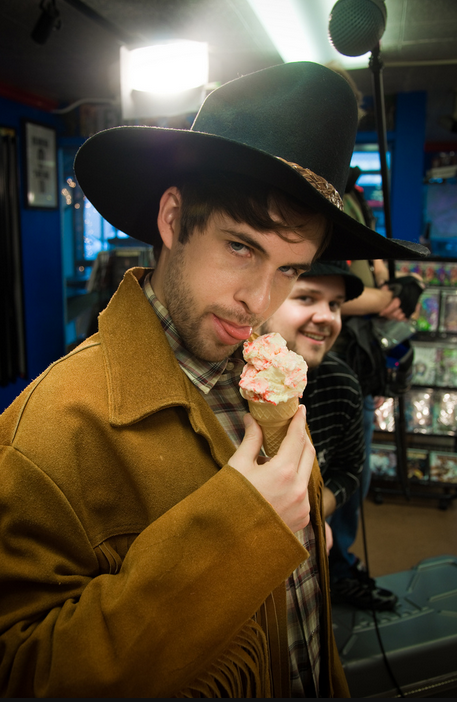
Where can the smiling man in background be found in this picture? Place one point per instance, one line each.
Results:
(310, 320)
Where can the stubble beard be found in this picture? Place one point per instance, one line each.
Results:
(311, 358)
(181, 307)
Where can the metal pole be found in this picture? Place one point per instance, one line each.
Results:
(376, 66)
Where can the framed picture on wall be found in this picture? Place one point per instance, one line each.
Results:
(40, 165)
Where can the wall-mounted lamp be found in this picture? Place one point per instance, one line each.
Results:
(47, 21)
(163, 80)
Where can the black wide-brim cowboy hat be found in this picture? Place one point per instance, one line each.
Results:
(261, 125)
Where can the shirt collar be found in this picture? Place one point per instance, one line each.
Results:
(203, 374)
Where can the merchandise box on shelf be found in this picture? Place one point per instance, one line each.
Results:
(424, 466)
(442, 273)
(443, 466)
(415, 436)
(435, 364)
(383, 463)
(427, 411)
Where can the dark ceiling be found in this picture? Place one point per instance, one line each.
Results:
(81, 59)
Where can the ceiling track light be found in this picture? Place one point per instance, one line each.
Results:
(48, 21)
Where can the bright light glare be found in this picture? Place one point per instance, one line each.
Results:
(283, 23)
(165, 69)
(299, 31)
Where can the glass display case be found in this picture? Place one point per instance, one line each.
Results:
(429, 434)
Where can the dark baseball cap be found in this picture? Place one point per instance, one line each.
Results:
(353, 284)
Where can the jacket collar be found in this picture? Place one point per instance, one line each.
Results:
(142, 373)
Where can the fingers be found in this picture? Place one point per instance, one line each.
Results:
(282, 480)
(293, 465)
(292, 444)
(297, 448)
(416, 314)
(253, 437)
(393, 310)
(393, 305)
(397, 315)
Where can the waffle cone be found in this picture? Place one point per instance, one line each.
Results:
(274, 421)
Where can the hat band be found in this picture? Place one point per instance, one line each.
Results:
(320, 184)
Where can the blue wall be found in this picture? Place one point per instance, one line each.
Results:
(408, 165)
(42, 265)
(407, 142)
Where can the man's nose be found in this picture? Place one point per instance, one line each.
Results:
(255, 293)
(323, 312)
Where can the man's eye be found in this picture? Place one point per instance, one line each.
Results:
(238, 247)
(289, 271)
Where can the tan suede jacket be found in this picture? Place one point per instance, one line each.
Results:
(132, 555)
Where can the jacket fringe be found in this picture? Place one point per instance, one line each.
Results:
(242, 671)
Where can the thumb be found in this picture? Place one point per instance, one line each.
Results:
(248, 451)
(253, 437)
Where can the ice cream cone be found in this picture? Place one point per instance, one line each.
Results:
(274, 421)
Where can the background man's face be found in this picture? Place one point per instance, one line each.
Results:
(310, 318)
(229, 279)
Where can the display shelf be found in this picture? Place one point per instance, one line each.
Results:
(426, 466)
(414, 450)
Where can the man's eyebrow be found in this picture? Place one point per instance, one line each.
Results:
(254, 244)
(302, 287)
(249, 240)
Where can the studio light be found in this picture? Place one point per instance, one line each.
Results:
(164, 79)
(47, 21)
(169, 68)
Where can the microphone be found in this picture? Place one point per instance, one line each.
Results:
(356, 26)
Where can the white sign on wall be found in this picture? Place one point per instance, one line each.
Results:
(41, 162)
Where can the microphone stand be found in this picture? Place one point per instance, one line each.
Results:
(376, 66)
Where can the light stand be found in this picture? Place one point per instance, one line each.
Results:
(355, 26)
(376, 66)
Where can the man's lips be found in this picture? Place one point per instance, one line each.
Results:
(229, 332)
(314, 336)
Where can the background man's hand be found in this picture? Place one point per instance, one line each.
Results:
(393, 309)
(328, 537)
(282, 480)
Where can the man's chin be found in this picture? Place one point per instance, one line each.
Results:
(313, 364)
(312, 357)
(218, 353)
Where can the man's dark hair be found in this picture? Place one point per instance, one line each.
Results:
(244, 199)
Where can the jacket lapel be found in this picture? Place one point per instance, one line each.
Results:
(142, 373)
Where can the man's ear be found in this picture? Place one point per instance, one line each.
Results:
(168, 220)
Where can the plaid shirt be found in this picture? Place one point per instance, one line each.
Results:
(218, 384)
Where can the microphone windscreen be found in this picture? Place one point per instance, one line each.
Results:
(356, 26)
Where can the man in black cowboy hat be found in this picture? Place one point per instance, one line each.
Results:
(145, 544)
(310, 320)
